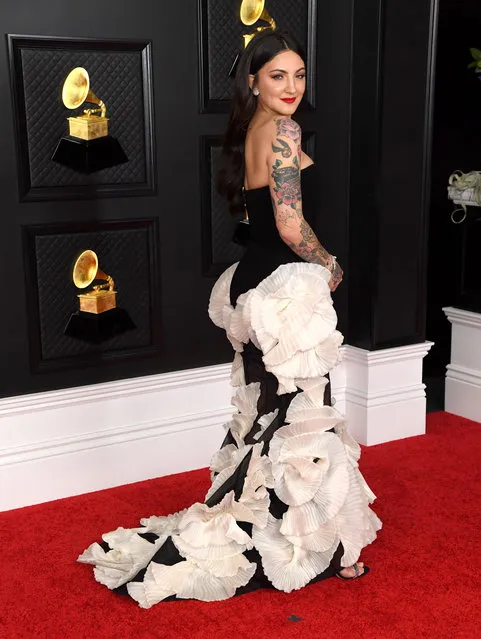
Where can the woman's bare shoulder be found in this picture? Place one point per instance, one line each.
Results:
(263, 136)
(278, 126)
(264, 139)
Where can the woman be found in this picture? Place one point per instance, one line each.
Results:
(287, 505)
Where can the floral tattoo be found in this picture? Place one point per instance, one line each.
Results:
(287, 183)
(289, 129)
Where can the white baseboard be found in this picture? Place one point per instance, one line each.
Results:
(68, 442)
(383, 396)
(63, 443)
(463, 376)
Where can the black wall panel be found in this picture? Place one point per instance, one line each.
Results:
(128, 252)
(408, 85)
(348, 132)
(392, 94)
(454, 256)
(120, 75)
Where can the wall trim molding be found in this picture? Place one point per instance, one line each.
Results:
(462, 317)
(71, 441)
(109, 437)
(463, 373)
(391, 396)
(108, 390)
(383, 394)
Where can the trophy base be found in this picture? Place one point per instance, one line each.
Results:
(88, 156)
(97, 301)
(95, 329)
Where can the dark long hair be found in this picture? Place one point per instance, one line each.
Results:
(262, 48)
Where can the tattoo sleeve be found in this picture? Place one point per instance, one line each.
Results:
(308, 246)
(286, 194)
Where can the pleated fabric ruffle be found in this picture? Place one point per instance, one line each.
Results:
(289, 316)
(307, 459)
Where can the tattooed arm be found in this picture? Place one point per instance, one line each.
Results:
(285, 188)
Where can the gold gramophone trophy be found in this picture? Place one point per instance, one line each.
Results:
(250, 12)
(88, 147)
(101, 297)
(75, 91)
(98, 317)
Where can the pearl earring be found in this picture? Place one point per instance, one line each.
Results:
(255, 92)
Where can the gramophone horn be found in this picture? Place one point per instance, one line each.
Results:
(253, 10)
(76, 90)
(86, 270)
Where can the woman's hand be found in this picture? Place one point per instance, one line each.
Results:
(336, 277)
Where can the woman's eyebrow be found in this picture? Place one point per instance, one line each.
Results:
(284, 71)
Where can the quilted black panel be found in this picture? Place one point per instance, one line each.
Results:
(124, 254)
(116, 78)
(224, 35)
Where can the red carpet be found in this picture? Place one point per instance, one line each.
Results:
(425, 579)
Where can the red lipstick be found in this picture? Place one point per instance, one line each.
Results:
(288, 100)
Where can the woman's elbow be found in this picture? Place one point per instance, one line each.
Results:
(288, 235)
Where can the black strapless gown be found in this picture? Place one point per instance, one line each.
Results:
(287, 505)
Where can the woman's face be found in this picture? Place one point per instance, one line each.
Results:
(281, 83)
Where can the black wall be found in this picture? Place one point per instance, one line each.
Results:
(456, 146)
(367, 127)
(392, 77)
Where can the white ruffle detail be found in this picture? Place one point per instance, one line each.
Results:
(301, 460)
(247, 315)
(314, 388)
(264, 422)
(351, 446)
(168, 525)
(319, 540)
(306, 364)
(129, 553)
(220, 308)
(226, 460)
(254, 493)
(204, 581)
(370, 496)
(287, 566)
(356, 523)
(220, 296)
(207, 533)
(245, 400)
(225, 463)
(237, 377)
(289, 316)
(212, 545)
(259, 477)
(226, 457)
(291, 310)
(238, 328)
(304, 409)
(294, 321)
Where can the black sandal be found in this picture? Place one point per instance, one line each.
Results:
(356, 570)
